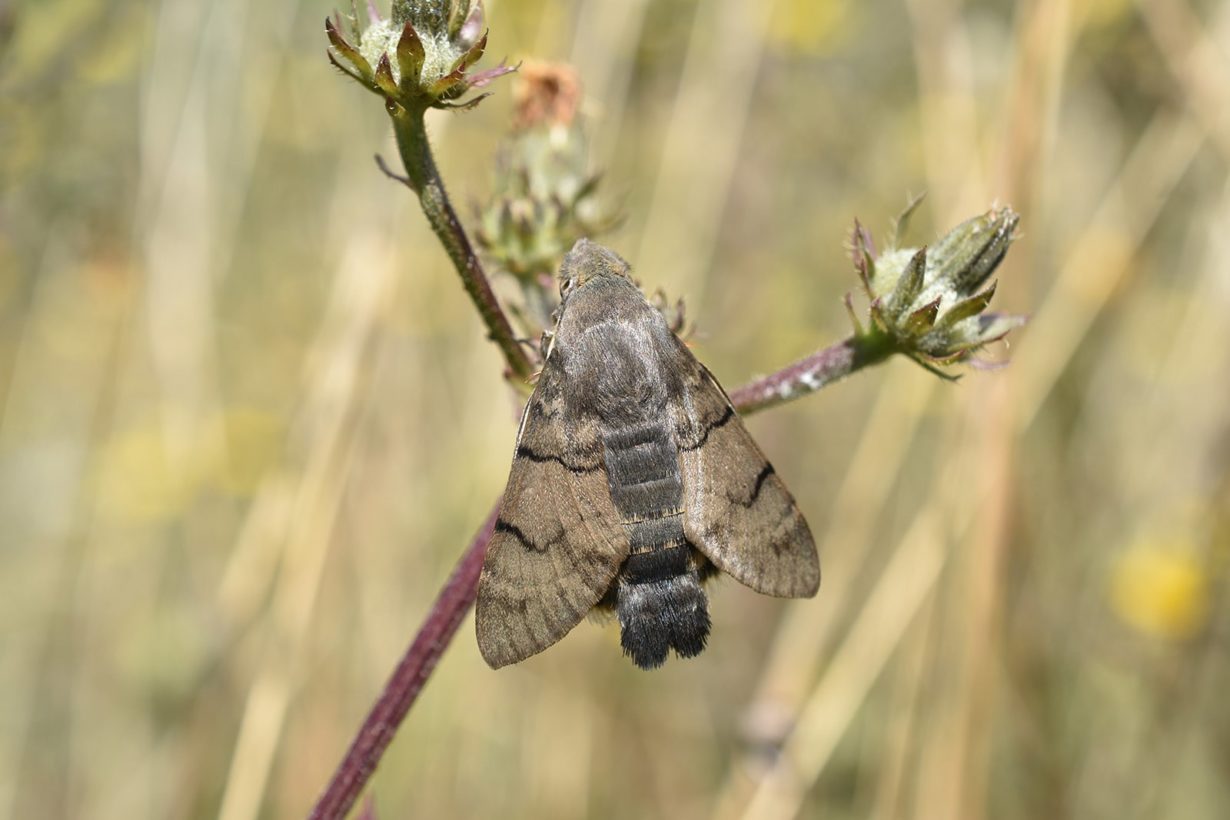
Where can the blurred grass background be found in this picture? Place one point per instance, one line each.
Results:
(248, 420)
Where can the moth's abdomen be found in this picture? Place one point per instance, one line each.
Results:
(658, 616)
(657, 596)
(642, 467)
(643, 472)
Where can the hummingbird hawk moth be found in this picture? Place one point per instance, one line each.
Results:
(633, 481)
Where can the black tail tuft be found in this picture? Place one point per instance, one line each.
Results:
(657, 616)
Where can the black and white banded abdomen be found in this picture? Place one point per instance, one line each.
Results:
(658, 597)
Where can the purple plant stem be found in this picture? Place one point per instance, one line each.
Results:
(811, 373)
(407, 680)
(454, 601)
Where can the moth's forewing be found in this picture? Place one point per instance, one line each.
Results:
(558, 543)
(737, 511)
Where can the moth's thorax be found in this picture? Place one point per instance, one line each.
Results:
(616, 351)
(599, 301)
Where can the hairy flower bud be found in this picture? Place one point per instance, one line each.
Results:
(420, 57)
(544, 198)
(928, 300)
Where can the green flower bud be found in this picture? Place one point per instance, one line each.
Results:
(420, 58)
(927, 300)
(544, 198)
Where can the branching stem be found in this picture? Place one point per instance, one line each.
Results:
(423, 176)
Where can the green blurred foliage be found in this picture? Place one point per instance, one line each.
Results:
(248, 419)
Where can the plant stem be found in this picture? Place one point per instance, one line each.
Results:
(811, 373)
(407, 680)
(454, 601)
(424, 178)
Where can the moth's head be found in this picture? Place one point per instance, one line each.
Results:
(589, 260)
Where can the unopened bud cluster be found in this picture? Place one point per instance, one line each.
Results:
(931, 302)
(544, 194)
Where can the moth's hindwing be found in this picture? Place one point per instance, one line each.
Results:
(737, 511)
(558, 542)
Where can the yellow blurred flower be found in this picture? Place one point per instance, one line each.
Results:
(1101, 13)
(1161, 590)
(139, 483)
(810, 27)
(136, 481)
(253, 441)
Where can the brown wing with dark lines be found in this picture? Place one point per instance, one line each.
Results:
(736, 509)
(558, 542)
